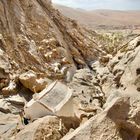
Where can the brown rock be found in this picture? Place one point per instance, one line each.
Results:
(32, 82)
(38, 34)
(11, 89)
(48, 128)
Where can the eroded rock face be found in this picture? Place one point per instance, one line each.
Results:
(36, 36)
(110, 124)
(120, 116)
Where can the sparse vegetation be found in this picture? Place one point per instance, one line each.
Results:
(110, 42)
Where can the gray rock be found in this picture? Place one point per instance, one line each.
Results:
(8, 126)
(113, 122)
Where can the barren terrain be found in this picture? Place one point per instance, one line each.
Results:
(62, 81)
(103, 19)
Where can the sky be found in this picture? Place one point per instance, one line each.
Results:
(101, 4)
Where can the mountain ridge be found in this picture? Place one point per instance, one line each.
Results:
(101, 17)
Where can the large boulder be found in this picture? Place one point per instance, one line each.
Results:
(119, 120)
(4, 106)
(48, 128)
(31, 81)
(56, 99)
(134, 43)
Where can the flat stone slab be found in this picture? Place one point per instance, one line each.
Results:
(52, 100)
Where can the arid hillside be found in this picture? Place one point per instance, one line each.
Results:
(33, 34)
(103, 19)
(62, 81)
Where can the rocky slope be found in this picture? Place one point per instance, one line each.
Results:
(33, 35)
(38, 46)
(119, 81)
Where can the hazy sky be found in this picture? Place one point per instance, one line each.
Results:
(101, 4)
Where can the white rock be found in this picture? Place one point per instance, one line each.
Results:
(54, 100)
(134, 43)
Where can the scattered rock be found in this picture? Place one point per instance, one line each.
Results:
(110, 124)
(31, 81)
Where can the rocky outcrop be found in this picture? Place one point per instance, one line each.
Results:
(38, 46)
(87, 96)
(117, 121)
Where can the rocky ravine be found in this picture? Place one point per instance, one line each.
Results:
(37, 46)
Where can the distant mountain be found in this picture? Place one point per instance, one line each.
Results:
(103, 19)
